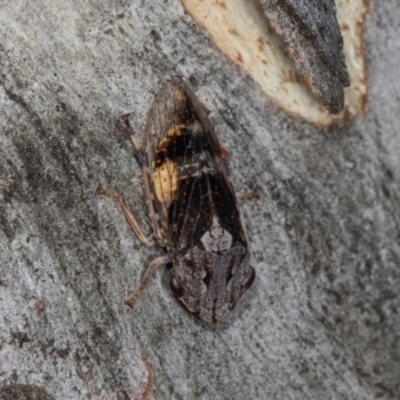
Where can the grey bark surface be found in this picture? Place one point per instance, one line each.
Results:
(322, 318)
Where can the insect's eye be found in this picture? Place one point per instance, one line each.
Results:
(176, 287)
(251, 278)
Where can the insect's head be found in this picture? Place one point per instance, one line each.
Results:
(212, 284)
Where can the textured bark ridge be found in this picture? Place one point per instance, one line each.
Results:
(321, 320)
(23, 392)
(310, 58)
(311, 32)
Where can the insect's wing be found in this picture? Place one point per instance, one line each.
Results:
(191, 185)
(311, 33)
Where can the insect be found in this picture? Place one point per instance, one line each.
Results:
(193, 208)
(312, 35)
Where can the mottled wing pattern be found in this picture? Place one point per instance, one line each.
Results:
(191, 185)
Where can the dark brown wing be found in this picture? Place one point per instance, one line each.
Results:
(191, 185)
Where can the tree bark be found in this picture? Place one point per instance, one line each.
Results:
(322, 318)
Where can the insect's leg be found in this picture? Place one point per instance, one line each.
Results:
(141, 158)
(252, 195)
(146, 240)
(147, 275)
(224, 153)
